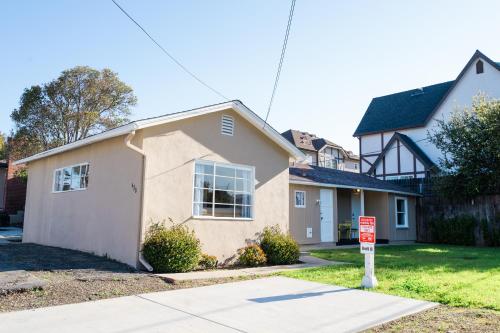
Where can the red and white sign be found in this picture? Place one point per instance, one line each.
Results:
(367, 229)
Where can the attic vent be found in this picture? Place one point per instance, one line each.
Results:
(479, 67)
(418, 92)
(227, 125)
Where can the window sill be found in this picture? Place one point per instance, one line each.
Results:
(300, 206)
(222, 218)
(402, 227)
(76, 190)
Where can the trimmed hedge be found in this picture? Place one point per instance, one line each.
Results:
(251, 255)
(280, 248)
(171, 250)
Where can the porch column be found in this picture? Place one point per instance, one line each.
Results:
(362, 203)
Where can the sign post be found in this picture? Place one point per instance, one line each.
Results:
(367, 246)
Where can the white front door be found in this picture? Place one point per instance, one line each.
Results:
(326, 214)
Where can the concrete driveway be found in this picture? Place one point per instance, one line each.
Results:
(274, 304)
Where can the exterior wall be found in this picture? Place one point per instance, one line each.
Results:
(308, 217)
(351, 165)
(402, 234)
(104, 218)
(3, 181)
(376, 204)
(344, 211)
(171, 151)
(461, 96)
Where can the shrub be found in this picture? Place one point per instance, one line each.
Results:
(171, 250)
(208, 262)
(457, 230)
(252, 255)
(280, 248)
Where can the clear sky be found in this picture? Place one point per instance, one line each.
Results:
(340, 53)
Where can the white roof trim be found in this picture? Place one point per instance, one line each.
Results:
(303, 182)
(237, 106)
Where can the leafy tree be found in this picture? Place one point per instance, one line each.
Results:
(3, 146)
(81, 102)
(470, 143)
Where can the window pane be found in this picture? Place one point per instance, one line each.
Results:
(400, 205)
(57, 181)
(224, 171)
(401, 218)
(243, 185)
(224, 210)
(299, 198)
(202, 209)
(203, 181)
(241, 173)
(224, 183)
(203, 195)
(204, 168)
(243, 211)
(75, 177)
(243, 199)
(224, 197)
(66, 179)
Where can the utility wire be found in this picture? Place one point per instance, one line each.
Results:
(177, 62)
(283, 50)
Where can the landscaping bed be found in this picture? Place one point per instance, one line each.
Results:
(73, 276)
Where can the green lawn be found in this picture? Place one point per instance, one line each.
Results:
(452, 275)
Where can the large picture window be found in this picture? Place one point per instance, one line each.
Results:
(71, 178)
(223, 190)
(401, 213)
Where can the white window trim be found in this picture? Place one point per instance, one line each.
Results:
(240, 166)
(64, 167)
(295, 198)
(405, 226)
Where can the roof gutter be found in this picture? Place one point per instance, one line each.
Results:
(302, 182)
(140, 257)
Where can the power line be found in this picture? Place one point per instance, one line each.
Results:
(177, 62)
(283, 50)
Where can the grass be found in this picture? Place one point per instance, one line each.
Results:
(452, 275)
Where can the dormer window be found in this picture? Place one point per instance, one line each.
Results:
(227, 125)
(479, 67)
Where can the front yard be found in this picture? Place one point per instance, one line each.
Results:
(465, 279)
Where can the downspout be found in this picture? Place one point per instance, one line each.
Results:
(140, 257)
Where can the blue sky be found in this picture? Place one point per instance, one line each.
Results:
(340, 53)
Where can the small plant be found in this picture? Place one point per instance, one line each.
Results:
(252, 255)
(280, 248)
(171, 249)
(207, 262)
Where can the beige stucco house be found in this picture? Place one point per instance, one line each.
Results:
(219, 169)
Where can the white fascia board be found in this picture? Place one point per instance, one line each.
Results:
(302, 182)
(140, 124)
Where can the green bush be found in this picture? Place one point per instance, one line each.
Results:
(171, 250)
(252, 255)
(457, 231)
(491, 232)
(207, 262)
(280, 248)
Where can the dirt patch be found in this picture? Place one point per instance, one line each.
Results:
(445, 319)
(73, 277)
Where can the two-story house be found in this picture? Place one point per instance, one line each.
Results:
(393, 133)
(322, 152)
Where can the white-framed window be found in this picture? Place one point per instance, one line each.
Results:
(300, 199)
(223, 190)
(398, 177)
(71, 178)
(401, 212)
(227, 125)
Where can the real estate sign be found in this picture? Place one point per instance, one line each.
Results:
(367, 229)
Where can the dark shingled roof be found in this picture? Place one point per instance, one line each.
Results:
(340, 178)
(405, 109)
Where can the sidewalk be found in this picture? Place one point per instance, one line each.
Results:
(307, 262)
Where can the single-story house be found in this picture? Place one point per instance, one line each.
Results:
(219, 169)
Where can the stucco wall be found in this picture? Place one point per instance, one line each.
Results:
(344, 211)
(376, 204)
(104, 218)
(402, 234)
(308, 217)
(171, 152)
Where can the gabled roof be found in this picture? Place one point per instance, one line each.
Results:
(411, 108)
(308, 141)
(410, 145)
(326, 177)
(235, 105)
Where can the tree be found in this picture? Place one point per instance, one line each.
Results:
(470, 143)
(81, 102)
(3, 146)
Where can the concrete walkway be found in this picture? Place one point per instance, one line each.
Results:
(275, 304)
(307, 262)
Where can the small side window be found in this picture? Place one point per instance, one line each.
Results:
(401, 213)
(479, 67)
(300, 199)
(227, 125)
